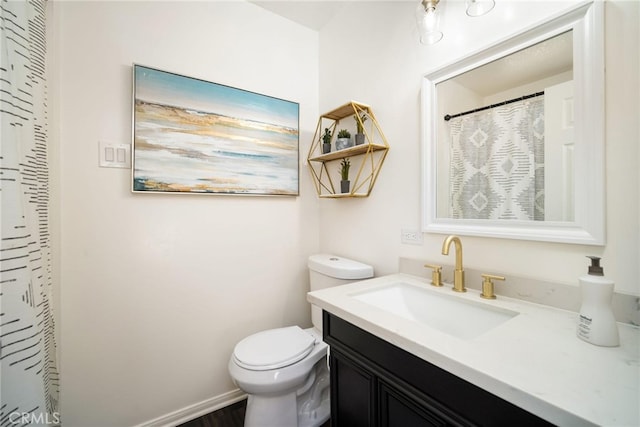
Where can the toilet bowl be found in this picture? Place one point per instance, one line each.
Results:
(284, 371)
(288, 389)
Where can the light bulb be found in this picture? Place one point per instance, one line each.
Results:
(430, 19)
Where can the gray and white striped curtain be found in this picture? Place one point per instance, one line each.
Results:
(497, 162)
(29, 383)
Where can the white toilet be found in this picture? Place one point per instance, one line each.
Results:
(284, 370)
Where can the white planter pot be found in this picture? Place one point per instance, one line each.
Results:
(342, 143)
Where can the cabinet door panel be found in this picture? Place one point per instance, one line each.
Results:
(398, 410)
(351, 393)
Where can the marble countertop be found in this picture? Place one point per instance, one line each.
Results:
(533, 360)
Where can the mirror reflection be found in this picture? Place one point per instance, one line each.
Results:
(505, 137)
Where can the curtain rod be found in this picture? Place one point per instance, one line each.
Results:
(533, 95)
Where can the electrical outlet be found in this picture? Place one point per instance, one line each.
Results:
(411, 237)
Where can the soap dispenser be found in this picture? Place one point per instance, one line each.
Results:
(597, 324)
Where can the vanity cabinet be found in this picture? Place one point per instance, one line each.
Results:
(366, 159)
(376, 384)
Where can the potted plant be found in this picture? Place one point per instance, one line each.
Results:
(343, 140)
(360, 126)
(345, 164)
(326, 141)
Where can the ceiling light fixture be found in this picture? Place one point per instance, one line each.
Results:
(428, 17)
(428, 22)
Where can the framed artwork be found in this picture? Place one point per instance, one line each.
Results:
(194, 136)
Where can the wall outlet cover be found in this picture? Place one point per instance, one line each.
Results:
(411, 237)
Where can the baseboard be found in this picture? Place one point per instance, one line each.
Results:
(196, 410)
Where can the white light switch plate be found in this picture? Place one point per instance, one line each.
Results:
(114, 155)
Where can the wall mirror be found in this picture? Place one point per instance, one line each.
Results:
(513, 135)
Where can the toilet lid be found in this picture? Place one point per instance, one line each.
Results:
(273, 349)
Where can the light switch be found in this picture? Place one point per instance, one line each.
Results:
(113, 155)
(121, 155)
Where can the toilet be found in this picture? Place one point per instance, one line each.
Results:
(284, 371)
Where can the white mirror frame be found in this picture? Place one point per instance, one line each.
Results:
(587, 22)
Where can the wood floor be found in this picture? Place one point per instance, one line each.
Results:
(231, 416)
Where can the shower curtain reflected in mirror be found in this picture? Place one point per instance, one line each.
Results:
(497, 162)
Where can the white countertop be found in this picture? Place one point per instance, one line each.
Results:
(533, 360)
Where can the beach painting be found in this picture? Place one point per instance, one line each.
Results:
(194, 136)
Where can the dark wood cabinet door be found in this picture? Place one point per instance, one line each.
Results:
(352, 393)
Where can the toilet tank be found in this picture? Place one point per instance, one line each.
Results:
(326, 270)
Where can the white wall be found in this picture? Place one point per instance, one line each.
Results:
(382, 65)
(155, 290)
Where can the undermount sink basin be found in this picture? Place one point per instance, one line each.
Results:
(448, 314)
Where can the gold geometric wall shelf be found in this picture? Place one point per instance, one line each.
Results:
(366, 159)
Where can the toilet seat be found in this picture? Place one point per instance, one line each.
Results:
(273, 349)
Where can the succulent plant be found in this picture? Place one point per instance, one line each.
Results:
(344, 134)
(326, 138)
(345, 164)
(360, 123)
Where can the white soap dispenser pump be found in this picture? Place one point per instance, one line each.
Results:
(597, 324)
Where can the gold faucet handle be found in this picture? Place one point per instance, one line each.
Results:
(487, 285)
(436, 275)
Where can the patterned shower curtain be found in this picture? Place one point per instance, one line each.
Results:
(497, 162)
(29, 380)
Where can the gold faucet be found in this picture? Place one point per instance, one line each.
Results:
(458, 275)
